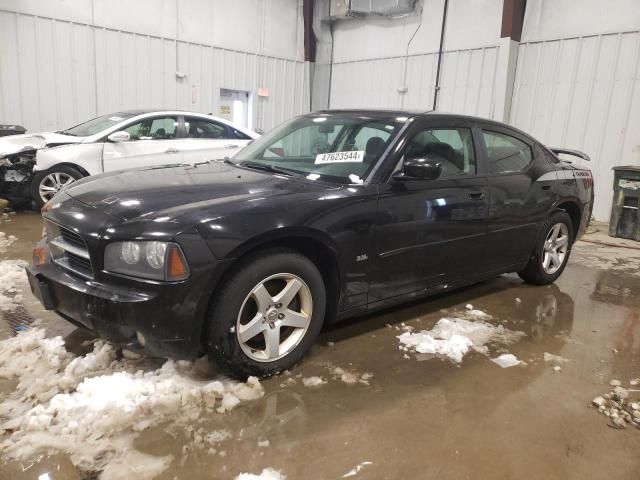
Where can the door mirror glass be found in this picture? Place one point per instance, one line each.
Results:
(420, 169)
(118, 137)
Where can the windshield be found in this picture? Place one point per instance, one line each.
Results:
(336, 148)
(97, 125)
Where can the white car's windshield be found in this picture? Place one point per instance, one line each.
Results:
(339, 148)
(97, 125)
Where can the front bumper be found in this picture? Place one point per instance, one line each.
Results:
(169, 316)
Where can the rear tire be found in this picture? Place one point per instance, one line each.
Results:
(267, 314)
(47, 183)
(552, 250)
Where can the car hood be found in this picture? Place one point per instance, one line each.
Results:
(172, 191)
(33, 141)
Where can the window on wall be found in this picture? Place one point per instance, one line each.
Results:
(159, 128)
(452, 148)
(506, 154)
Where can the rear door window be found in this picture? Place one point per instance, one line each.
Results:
(506, 154)
(452, 148)
(205, 129)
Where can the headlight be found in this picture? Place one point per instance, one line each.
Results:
(152, 260)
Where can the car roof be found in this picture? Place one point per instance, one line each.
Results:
(394, 114)
(372, 112)
(131, 114)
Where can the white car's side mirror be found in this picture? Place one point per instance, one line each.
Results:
(119, 137)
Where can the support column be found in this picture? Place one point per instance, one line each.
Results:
(511, 32)
(320, 78)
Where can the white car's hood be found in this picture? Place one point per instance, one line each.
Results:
(33, 141)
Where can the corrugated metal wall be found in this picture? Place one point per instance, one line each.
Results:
(54, 74)
(583, 93)
(467, 82)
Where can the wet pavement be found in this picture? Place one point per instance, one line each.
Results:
(423, 418)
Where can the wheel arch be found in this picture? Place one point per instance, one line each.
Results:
(75, 166)
(315, 245)
(572, 207)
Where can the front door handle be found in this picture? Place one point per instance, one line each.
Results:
(231, 145)
(172, 150)
(476, 195)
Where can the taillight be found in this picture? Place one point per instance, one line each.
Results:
(587, 181)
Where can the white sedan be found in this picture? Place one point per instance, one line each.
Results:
(132, 139)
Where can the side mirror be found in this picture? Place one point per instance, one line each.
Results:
(420, 169)
(118, 137)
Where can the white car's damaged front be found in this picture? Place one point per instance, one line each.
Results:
(17, 162)
(18, 155)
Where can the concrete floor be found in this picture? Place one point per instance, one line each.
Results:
(431, 419)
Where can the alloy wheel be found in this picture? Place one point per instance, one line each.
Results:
(274, 317)
(556, 246)
(53, 183)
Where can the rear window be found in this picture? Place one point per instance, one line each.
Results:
(506, 154)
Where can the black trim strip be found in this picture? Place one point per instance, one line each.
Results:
(515, 227)
(398, 251)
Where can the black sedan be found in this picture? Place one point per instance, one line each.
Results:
(331, 215)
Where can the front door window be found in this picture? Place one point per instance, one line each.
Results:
(158, 128)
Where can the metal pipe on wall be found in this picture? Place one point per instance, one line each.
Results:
(440, 53)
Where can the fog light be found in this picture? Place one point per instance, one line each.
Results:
(140, 339)
(39, 256)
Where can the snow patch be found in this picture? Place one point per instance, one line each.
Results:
(313, 381)
(92, 407)
(12, 280)
(506, 360)
(453, 338)
(350, 377)
(554, 359)
(267, 474)
(6, 241)
(355, 470)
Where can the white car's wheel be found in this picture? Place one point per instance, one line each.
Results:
(47, 183)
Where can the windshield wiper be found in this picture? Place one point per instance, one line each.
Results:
(267, 167)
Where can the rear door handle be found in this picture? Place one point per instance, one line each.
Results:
(172, 150)
(476, 195)
(231, 145)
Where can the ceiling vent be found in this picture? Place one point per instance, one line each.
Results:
(351, 8)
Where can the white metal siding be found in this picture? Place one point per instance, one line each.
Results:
(54, 74)
(467, 82)
(583, 93)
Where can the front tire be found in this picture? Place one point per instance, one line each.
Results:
(47, 183)
(267, 315)
(552, 250)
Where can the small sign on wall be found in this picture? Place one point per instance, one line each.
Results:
(225, 110)
(263, 92)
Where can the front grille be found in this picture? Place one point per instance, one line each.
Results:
(79, 263)
(68, 249)
(72, 237)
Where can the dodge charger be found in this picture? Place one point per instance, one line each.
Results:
(331, 215)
